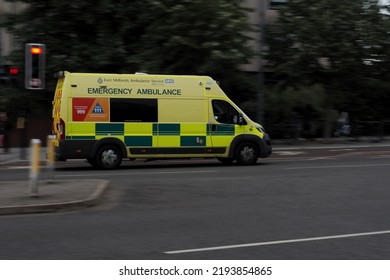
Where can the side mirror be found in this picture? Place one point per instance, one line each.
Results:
(240, 119)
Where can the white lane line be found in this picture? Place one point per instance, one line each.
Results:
(329, 146)
(135, 173)
(337, 166)
(277, 242)
(17, 167)
(289, 153)
(227, 178)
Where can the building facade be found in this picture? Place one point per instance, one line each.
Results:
(264, 14)
(6, 42)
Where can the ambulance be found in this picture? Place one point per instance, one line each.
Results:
(105, 118)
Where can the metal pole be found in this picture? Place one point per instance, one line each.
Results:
(21, 125)
(260, 89)
(1, 47)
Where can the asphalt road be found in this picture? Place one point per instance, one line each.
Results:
(301, 203)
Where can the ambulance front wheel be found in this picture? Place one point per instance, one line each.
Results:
(109, 157)
(247, 153)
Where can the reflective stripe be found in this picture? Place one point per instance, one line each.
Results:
(138, 141)
(166, 129)
(110, 129)
(161, 135)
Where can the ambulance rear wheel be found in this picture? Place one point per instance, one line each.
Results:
(247, 153)
(109, 157)
(92, 161)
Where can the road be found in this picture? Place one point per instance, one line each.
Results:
(331, 203)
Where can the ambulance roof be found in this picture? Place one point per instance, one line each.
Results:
(140, 85)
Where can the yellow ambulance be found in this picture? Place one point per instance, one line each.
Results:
(105, 118)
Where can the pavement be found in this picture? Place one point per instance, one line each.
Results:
(61, 195)
(53, 195)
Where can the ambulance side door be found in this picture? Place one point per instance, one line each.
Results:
(223, 125)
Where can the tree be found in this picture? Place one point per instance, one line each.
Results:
(93, 36)
(196, 36)
(199, 37)
(342, 45)
(175, 37)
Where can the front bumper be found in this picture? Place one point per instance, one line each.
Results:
(266, 149)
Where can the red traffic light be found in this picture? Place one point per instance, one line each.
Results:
(13, 70)
(34, 61)
(36, 50)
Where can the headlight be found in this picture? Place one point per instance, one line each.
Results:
(260, 129)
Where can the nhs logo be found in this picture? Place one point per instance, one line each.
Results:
(169, 81)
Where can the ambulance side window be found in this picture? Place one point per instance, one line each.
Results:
(133, 110)
(225, 112)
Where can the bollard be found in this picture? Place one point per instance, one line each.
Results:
(35, 145)
(20, 124)
(50, 163)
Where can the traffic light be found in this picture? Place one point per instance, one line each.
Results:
(13, 71)
(9, 75)
(34, 75)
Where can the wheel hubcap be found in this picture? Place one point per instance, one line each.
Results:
(247, 153)
(109, 157)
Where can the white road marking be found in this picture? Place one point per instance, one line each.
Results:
(227, 178)
(330, 146)
(289, 153)
(134, 173)
(277, 242)
(337, 166)
(17, 167)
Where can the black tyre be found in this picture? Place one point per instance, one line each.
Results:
(109, 157)
(92, 161)
(247, 153)
(226, 161)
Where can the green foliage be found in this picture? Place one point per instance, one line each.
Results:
(196, 36)
(286, 101)
(176, 37)
(79, 35)
(342, 45)
(333, 37)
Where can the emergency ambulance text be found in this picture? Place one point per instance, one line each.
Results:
(159, 92)
(105, 90)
